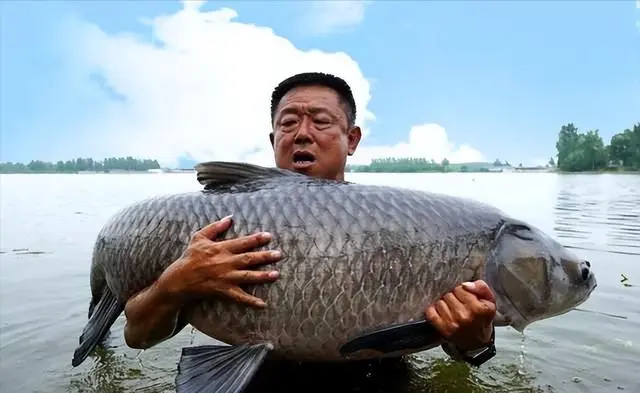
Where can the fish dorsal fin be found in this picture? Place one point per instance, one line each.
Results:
(215, 173)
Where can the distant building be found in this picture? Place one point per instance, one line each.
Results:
(533, 169)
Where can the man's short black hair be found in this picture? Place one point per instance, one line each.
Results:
(316, 78)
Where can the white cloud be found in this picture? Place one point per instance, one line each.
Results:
(427, 140)
(201, 87)
(324, 17)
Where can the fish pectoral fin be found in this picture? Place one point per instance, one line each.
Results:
(401, 337)
(219, 368)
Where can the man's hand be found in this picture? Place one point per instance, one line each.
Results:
(206, 268)
(465, 315)
(209, 267)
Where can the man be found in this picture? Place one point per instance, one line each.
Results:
(313, 132)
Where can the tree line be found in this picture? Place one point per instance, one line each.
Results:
(401, 165)
(81, 165)
(419, 164)
(587, 151)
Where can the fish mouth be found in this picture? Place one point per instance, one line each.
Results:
(303, 159)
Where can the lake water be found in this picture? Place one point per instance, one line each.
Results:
(49, 223)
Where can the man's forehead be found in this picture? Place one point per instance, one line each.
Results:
(311, 96)
(308, 107)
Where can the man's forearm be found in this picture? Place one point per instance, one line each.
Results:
(152, 317)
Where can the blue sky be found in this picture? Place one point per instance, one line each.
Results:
(464, 79)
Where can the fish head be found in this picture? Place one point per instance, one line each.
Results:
(534, 277)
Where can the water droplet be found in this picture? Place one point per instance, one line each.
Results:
(193, 335)
(522, 370)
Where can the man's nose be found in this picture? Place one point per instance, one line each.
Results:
(304, 132)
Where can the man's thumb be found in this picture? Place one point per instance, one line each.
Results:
(480, 289)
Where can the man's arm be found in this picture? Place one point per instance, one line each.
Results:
(152, 317)
(206, 268)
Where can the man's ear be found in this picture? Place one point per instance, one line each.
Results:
(271, 138)
(354, 135)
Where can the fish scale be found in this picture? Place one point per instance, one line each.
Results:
(372, 285)
(312, 231)
(354, 258)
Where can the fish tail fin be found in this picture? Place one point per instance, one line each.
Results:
(219, 368)
(101, 316)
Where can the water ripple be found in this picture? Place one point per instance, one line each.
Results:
(605, 212)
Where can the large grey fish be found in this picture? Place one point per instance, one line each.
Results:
(356, 258)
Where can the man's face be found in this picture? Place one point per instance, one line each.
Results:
(311, 134)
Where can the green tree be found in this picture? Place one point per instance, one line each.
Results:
(624, 149)
(595, 152)
(580, 152)
(80, 164)
(567, 142)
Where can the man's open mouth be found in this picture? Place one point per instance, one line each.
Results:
(303, 159)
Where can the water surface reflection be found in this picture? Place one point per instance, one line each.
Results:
(599, 210)
(111, 373)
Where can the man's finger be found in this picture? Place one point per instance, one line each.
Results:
(246, 243)
(458, 309)
(480, 289)
(241, 296)
(464, 296)
(212, 230)
(252, 276)
(437, 322)
(249, 259)
(452, 301)
(443, 310)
